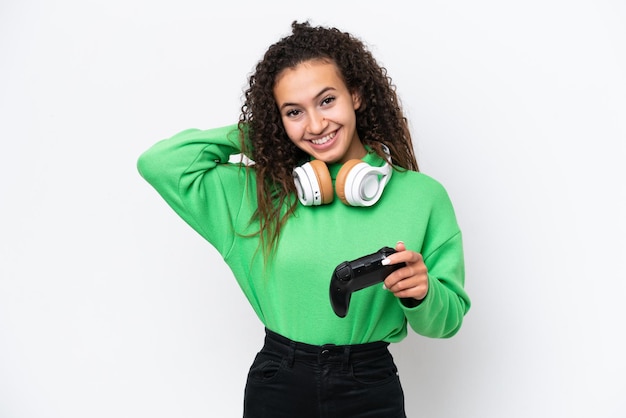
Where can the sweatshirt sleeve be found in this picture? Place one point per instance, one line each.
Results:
(191, 171)
(441, 313)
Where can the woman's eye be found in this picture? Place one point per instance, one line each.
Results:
(328, 100)
(292, 113)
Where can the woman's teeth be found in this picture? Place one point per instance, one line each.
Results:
(324, 139)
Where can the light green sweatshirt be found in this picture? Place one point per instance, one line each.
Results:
(291, 295)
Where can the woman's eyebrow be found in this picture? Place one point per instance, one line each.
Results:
(321, 93)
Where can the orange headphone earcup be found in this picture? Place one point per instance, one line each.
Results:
(323, 180)
(340, 182)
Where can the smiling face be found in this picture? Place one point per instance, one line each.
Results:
(318, 111)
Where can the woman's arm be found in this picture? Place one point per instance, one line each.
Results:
(431, 285)
(192, 173)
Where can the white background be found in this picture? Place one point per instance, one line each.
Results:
(110, 306)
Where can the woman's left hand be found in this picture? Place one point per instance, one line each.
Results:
(410, 281)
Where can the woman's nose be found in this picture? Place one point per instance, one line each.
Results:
(317, 123)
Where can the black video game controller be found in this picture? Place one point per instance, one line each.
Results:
(358, 274)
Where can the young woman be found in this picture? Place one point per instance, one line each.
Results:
(333, 178)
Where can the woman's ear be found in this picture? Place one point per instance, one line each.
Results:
(356, 100)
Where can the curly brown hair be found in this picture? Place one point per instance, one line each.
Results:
(379, 119)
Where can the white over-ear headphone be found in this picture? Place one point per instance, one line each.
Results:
(357, 183)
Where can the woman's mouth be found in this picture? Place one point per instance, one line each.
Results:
(324, 139)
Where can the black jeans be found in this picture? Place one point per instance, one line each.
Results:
(296, 380)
